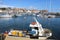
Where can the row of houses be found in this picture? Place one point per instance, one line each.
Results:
(22, 10)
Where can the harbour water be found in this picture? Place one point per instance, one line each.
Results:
(22, 23)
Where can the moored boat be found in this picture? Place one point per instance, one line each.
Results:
(37, 32)
(6, 15)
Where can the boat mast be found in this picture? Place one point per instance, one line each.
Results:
(38, 24)
(50, 6)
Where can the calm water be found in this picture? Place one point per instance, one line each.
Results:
(22, 23)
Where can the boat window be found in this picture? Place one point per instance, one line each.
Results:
(36, 28)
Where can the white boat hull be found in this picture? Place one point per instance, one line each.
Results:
(7, 16)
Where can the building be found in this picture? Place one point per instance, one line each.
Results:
(43, 11)
(35, 11)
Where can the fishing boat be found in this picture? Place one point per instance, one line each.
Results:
(37, 32)
(5, 16)
(40, 32)
(51, 16)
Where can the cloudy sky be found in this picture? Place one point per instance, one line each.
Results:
(51, 5)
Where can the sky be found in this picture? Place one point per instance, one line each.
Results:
(50, 5)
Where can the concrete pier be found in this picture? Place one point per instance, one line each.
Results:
(19, 38)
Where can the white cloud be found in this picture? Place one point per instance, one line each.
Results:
(5, 6)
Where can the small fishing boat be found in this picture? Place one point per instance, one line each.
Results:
(37, 32)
